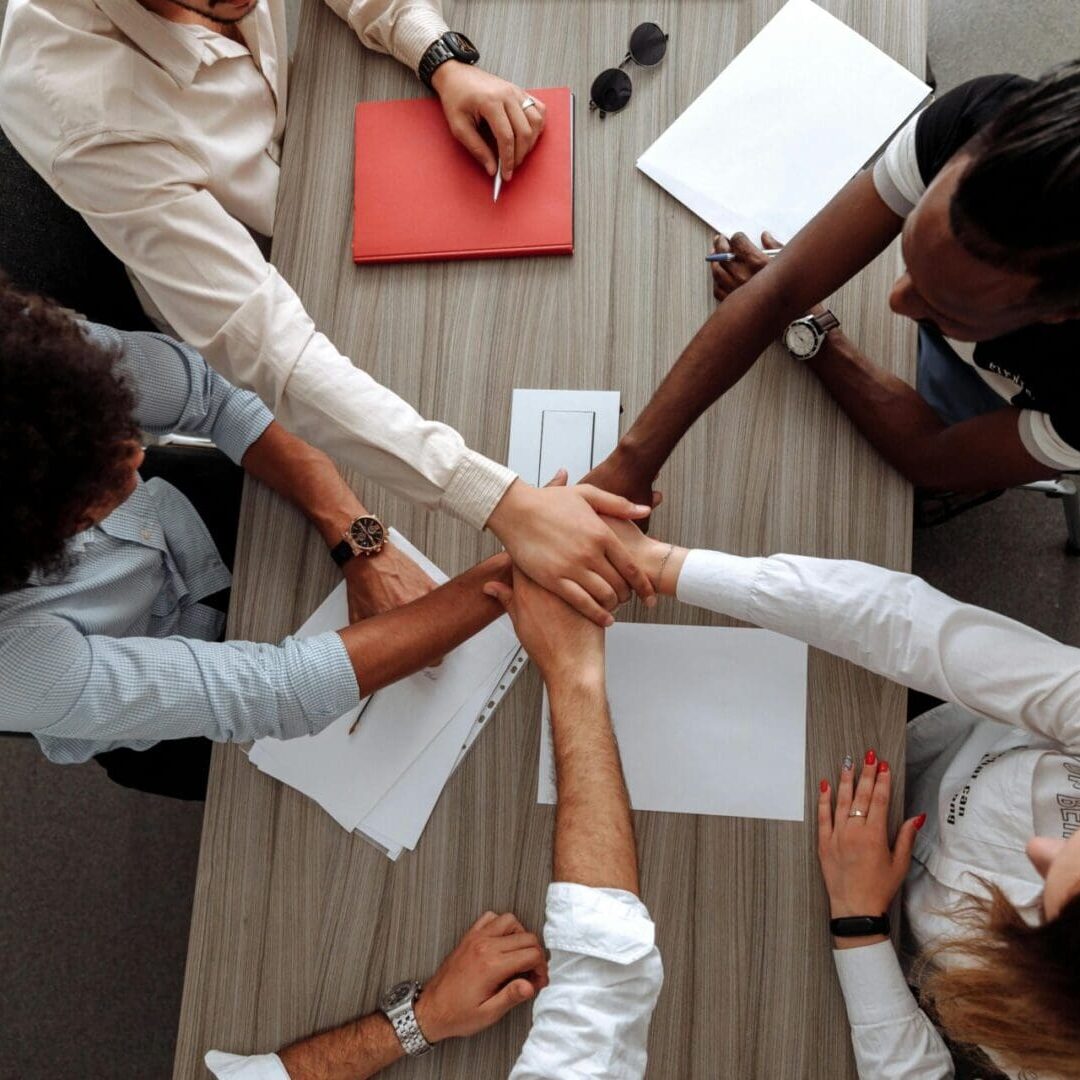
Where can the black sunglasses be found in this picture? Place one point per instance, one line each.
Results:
(611, 89)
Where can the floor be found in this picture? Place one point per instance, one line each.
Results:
(98, 881)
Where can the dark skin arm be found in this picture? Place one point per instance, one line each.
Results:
(847, 234)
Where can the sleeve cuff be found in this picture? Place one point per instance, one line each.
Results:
(243, 418)
(1044, 444)
(418, 29)
(239, 1067)
(719, 582)
(610, 924)
(322, 678)
(475, 489)
(874, 987)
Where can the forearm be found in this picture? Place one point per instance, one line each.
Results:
(388, 647)
(306, 477)
(594, 830)
(888, 412)
(353, 1051)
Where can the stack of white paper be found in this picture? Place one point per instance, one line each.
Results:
(784, 126)
(384, 780)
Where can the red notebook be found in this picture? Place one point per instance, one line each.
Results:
(420, 195)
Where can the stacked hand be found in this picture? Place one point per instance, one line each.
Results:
(471, 96)
(497, 964)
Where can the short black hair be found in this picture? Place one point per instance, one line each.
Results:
(65, 413)
(1019, 196)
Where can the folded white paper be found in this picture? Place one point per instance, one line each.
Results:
(784, 126)
(709, 720)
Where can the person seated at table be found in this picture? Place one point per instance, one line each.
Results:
(162, 124)
(989, 855)
(595, 998)
(108, 643)
(983, 187)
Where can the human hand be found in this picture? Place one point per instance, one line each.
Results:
(497, 964)
(862, 874)
(559, 640)
(382, 582)
(470, 95)
(555, 535)
(728, 276)
(660, 560)
(621, 475)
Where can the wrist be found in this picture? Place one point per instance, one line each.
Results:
(427, 1016)
(509, 509)
(664, 565)
(445, 74)
(333, 521)
(577, 681)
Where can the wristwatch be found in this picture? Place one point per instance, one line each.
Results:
(453, 45)
(859, 925)
(397, 1004)
(365, 536)
(803, 337)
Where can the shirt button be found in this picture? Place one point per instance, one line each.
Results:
(147, 534)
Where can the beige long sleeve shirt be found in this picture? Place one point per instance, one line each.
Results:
(167, 139)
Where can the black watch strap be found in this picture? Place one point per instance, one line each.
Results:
(860, 925)
(342, 553)
(453, 45)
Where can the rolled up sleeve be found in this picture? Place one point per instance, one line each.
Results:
(592, 1019)
(147, 202)
(402, 28)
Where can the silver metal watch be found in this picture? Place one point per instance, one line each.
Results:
(397, 1004)
(803, 337)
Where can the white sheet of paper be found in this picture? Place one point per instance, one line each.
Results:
(710, 720)
(553, 429)
(784, 126)
(348, 774)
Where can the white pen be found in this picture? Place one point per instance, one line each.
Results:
(498, 184)
(729, 256)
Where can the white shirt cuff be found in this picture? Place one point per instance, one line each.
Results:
(720, 582)
(238, 1067)
(1044, 444)
(610, 924)
(873, 983)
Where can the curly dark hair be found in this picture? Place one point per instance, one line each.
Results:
(65, 414)
(1017, 199)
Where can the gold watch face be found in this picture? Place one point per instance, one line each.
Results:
(368, 533)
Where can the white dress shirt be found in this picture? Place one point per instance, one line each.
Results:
(166, 138)
(998, 764)
(591, 1022)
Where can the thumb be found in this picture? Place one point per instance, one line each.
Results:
(603, 502)
(558, 480)
(498, 591)
(466, 133)
(770, 241)
(905, 842)
(510, 996)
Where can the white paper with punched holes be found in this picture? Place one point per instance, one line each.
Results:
(709, 720)
(385, 779)
(784, 126)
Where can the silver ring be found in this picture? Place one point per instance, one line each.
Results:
(856, 813)
(528, 103)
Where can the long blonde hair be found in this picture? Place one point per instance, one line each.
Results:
(1008, 987)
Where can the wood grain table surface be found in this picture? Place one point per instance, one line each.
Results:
(298, 925)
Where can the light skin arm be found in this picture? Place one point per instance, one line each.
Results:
(847, 234)
(311, 482)
(594, 831)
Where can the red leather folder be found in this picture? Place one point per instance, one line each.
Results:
(420, 195)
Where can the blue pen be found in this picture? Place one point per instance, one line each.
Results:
(730, 256)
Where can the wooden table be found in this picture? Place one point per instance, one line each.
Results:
(298, 925)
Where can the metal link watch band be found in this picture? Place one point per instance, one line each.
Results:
(409, 1034)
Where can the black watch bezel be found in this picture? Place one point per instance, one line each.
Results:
(453, 45)
(860, 926)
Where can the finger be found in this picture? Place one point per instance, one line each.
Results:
(824, 814)
(864, 788)
(720, 243)
(581, 601)
(905, 843)
(657, 499)
(606, 585)
(629, 570)
(878, 813)
(845, 789)
(520, 962)
(497, 590)
(750, 257)
(517, 939)
(484, 919)
(504, 924)
(503, 130)
(559, 479)
(495, 1008)
(770, 241)
(603, 502)
(524, 136)
(464, 130)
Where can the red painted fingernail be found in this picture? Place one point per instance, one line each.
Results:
(824, 786)
(920, 821)
(871, 757)
(882, 766)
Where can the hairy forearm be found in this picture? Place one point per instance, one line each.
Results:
(594, 830)
(388, 647)
(353, 1051)
(306, 477)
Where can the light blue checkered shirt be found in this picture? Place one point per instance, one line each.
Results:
(118, 651)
